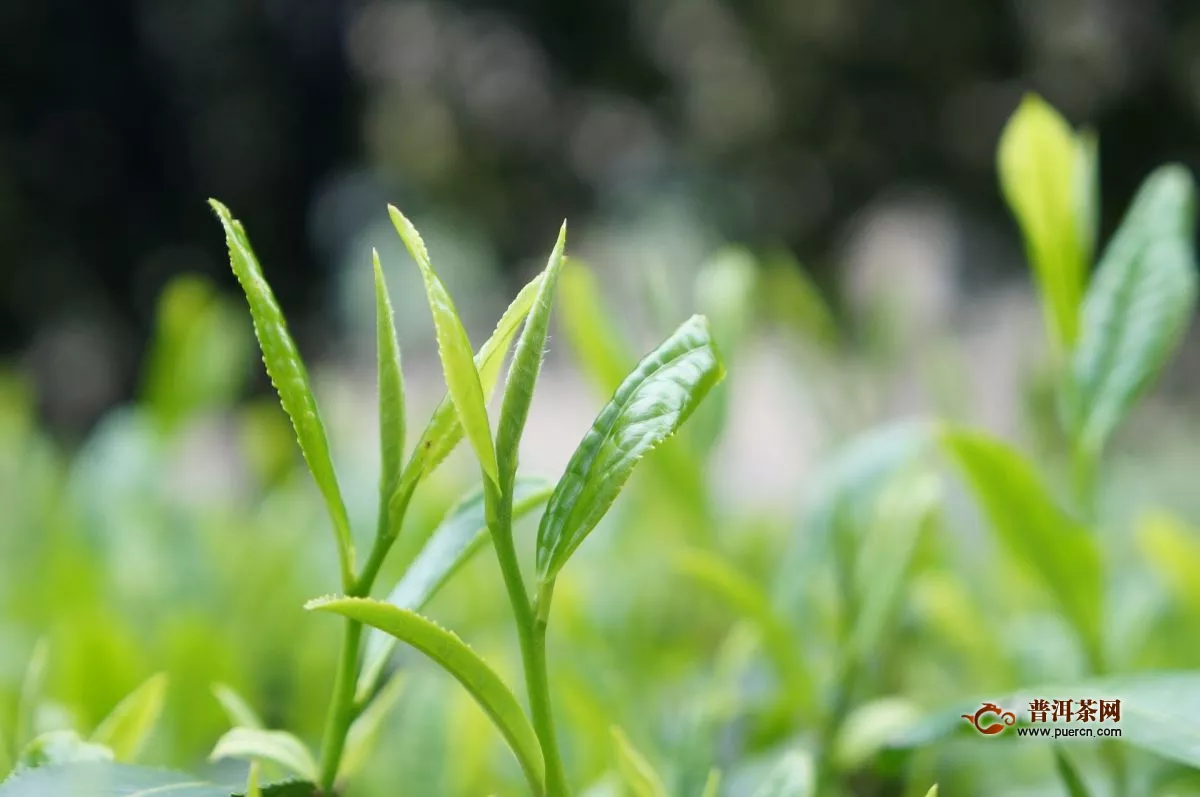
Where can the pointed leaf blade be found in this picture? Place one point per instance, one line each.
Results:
(459, 537)
(1069, 775)
(237, 710)
(391, 388)
(598, 344)
(279, 747)
(128, 726)
(444, 430)
(453, 655)
(525, 367)
(1037, 163)
(649, 406)
(454, 347)
(1137, 307)
(288, 374)
(638, 775)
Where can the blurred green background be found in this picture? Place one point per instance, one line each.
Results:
(817, 175)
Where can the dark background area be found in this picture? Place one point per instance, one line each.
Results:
(782, 119)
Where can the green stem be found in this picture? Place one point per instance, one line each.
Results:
(531, 634)
(343, 708)
(341, 711)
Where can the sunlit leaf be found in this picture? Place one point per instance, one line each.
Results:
(459, 537)
(1138, 306)
(453, 655)
(648, 407)
(365, 730)
(1068, 774)
(279, 747)
(870, 728)
(454, 347)
(793, 776)
(525, 367)
(288, 374)
(933, 791)
(237, 710)
(638, 775)
(127, 728)
(391, 394)
(1038, 162)
(444, 431)
(61, 747)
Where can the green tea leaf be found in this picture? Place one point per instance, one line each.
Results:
(636, 772)
(1138, 305)
(1038, 163)
(712, 786)
(60, 747)
(100, 779)
(1032, 527)
(453, 655)
(288, 374)
(599, 345)
(364, 732)
(127, 728)
(444, 430)
(525, 367)
(1087, 192)
(1069, 775)
(717, 575)
(649, 406)
(391, 394)
(454, 347)
(237, 710)
(459, 536)
(793, 776)
(279, 747)
(933, 791)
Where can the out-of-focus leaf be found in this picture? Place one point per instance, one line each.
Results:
(599, 345)
(1173, 549)
(870, 728)
(100, 779)
(793, 776)
(725, 293)
(1027, 522)
(61, 747)
(279, 747)
(454, 347)
(444, 430)
(127, 728)
(748, 599)
(712, 786)
(237, 710)
(459, 536)
(364, 732)
(1137, 308)
(391, 395)
(288, 374)
(1069, 775)
(885, 555)
(198, 355)
(453, 655)
(31, 691)
(1087, 192)
(933, 791)
(525, 367)
(790, 298)
(648, 407)
(1038, 163)
(638, 775)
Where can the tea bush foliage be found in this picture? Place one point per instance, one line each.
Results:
(615, 629)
